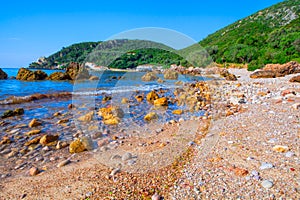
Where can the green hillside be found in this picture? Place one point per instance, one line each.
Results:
(271, 35)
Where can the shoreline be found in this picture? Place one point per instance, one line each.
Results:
(234, 167)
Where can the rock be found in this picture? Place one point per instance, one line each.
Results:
(151, 116)
(111, 115)
(295, 79)
(28, 75)
(263, 74)
(139, 98)
(35, 140)
(149, 76)
(77, 71)
(161, 102)
(115, 171)
(63, 163)
(76, 146)
(11, 113)
(240, 172)
(61, 145)
(63, 121)
(87, 143)
(87, 117)
(33, 171)
(3, 75)
(284, 69)
(71, 106)
(127, 156)
(5, 140)
(171, 74)
(106, 98)
(47, 139)
(58, 76)
(156, 197)
(266, 184)
(34, 123)
(228, 76)
(94, 78)
(280, 148)
(266, 166)
(151, 96)
(125, 101)
(160, 80)
(33, 132)
(177, 112)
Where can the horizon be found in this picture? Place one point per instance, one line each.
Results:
(33, 29)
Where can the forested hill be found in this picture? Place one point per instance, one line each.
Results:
(271, 35)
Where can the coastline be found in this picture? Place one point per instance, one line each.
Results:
(241, 163)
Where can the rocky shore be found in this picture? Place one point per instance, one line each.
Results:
(245, 146)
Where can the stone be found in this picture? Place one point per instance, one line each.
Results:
(289, 154)
(34, 123)
(111, 115)
(292, 67)
(61, 144)
(267, 184)
(115, 171)
(47, 139)
(266, 166)
(11, 113)
(3, 75)
(296, 106)
(28, 75)
(5, 140)
(125, 101)
(76, 146)
(156, 197)
(63, 163)
(35, 140)
(151, 116)
(139, 98)
(63, 121)
(19, 111)
(94, 78)
(160, 80)
(33, 132)
(87, 117)
(240, 172)
(170, 75)
(280, 148)
(227, 75)
(177, 112)
(295, 79)
(151, 96)
(58, 76)
(77, 71)
(149, 76)
(161, 102)
(34, 171)
(127, 156)
(263, 74)
(71, 106)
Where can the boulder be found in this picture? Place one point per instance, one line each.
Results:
(149, 76)
(151, 116)
(284, 69)
(295, 79)
(228, 76)
(77, 71)
(151, 96)
(161, 102)
(3, 75)
(58, 76)
(76, 146)
(28, 75)
(263, 74)
(171, 75)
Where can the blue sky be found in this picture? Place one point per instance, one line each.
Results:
(31, 29)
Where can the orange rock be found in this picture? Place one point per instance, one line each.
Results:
(240, 172)
(280, 148)
(161, 102)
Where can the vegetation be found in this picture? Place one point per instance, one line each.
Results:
(269, 36)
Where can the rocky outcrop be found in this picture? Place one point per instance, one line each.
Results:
(58, 76)
(285, 69)
(295, 79)
(28, 75)
(150, 76)
(171, 75)
(77, 71)
(263, 74)
(3, 75)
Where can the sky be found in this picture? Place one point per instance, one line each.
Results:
(34, 28)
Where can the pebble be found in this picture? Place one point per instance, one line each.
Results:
(33, 171)
(127, 156)
(156, 197)
(63, 163)
(114, 171)
(267, 184)
(254, 173)
(289, 154)
(266, 166)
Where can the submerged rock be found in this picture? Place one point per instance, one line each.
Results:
(149, 76)
(11, 113)
(3, 75)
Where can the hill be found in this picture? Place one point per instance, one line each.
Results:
(271, 35)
